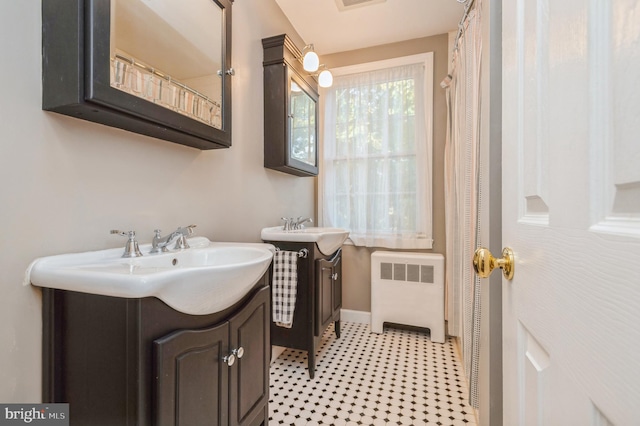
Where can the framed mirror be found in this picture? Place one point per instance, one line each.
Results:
(154, 67)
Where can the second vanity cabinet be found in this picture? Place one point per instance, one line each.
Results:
(318, 300)
(138, 362)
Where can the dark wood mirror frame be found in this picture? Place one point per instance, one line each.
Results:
(76, 77)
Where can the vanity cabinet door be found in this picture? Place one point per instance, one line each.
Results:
(337, 285)
(328, 292)
(324, 291)
(191, 377)
(249, 381)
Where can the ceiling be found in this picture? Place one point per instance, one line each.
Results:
(371, 24)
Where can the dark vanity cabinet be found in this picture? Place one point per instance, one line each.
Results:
(138, 362)
(318, 300)
(155, 68)
(290, 110)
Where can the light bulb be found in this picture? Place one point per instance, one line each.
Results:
(311, 62)
(325, 79)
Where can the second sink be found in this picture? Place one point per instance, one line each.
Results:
(327, 239)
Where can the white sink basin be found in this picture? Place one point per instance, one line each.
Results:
(328, 240)
(206, 278)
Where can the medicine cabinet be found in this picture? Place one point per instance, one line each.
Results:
(162, 69)
(290, 110)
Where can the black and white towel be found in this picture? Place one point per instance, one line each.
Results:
(285, 286)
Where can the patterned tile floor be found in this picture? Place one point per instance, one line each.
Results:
(396, 378)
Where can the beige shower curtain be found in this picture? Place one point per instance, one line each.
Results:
(461, 191)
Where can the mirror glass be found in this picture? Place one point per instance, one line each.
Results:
(170, 53)
(303, 125)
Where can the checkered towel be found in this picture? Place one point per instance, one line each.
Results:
(285, 286)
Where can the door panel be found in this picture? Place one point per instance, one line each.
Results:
(615, 124)
(571, 211)
(533, 109)
(324, 300)
(250, 382)
(185, 396)
(337, 284)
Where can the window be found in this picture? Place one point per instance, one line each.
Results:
(376, 172)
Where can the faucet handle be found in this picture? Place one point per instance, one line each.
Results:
(298, 223)
(124, 234)
(131, 248)
(183, 233)
(288, 222)
(181, 243)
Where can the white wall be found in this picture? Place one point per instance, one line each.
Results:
(65, 182)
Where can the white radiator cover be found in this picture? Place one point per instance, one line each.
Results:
(408, 288)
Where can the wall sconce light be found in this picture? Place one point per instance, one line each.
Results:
(325, 78)
(311, 63)
(310, 60)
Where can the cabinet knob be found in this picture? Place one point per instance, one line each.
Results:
(334, 276)
(229, 359)
(235, 354)
(239, 353)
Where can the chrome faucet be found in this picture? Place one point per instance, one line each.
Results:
(159, 244)
(291, 224)
(299, 224)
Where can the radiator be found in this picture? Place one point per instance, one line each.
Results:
(408, 288)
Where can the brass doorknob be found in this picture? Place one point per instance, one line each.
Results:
(484, 262)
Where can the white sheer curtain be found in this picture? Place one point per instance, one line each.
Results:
(461, 194)
(376, 178)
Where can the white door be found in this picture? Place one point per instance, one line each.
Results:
(571, 212)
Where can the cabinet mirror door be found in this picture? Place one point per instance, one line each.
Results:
(170, 53)
(164, 62)
(303, 126)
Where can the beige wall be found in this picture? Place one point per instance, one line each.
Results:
(356, 290)
(67, 182)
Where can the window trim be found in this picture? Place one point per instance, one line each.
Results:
(427, 60)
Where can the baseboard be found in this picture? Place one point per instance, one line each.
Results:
(359, 317)
(276, 351)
